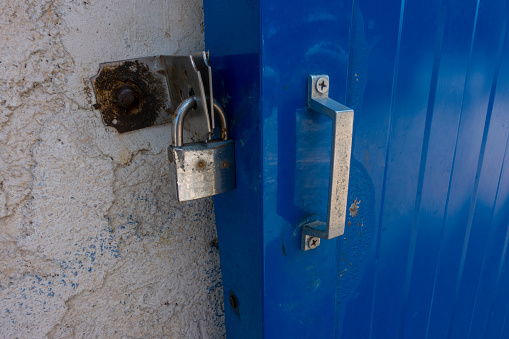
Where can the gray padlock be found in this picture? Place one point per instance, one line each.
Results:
(199, 170)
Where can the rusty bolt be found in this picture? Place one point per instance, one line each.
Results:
(126, 97)
(313, 242)
(201, 164)
(225, 164)
(322, 85)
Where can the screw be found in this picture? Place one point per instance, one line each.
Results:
(225, 164)
(201, 164)
(322, 85)
(313, 242)
(126, 97)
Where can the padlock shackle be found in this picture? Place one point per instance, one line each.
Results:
(185, 107)
(221, 117)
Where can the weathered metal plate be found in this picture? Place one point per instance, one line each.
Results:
(147, 101)
(202, 62)
(139, 93)
(184, 80)
(201, 170)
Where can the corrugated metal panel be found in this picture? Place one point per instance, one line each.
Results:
(425, 256)
(429, 84)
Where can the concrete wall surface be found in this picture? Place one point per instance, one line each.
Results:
(90, 244)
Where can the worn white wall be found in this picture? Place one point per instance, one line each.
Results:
(90, 244)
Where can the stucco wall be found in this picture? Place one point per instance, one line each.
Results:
(90, 244)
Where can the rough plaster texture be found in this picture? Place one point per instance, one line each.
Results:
(90, 244)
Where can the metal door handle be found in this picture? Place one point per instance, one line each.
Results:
(342, 129)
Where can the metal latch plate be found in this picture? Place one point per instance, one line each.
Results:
(139, 93)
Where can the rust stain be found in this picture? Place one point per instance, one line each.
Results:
(354, 208)
(146, 89)
(88, 91)
(224, 132)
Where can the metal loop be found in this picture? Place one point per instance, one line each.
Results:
(221, 117)
(180, 114)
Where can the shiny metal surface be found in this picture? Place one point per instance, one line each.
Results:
(178, 121)
(221, 117)
(201, 60)
(342, 129)
(185, 81)
(200, 170)
(182, 111)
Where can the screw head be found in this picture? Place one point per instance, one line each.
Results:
(322, 85)
(201, 164)
(126, 97)
(225, 164)
(313, 242)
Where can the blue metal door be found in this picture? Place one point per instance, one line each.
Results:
(425, 243)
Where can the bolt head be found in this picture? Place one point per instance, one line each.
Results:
(313, 242)
(126, 97)
(322, 85)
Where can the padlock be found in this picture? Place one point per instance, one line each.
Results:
(201, 169)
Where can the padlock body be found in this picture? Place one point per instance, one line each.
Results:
(200, 170)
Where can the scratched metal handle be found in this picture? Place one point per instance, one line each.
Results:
(342, 129)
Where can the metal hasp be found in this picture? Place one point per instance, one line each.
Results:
(139, 93)
(200, 170)
(342, 129)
